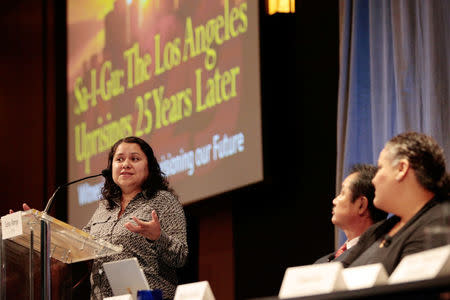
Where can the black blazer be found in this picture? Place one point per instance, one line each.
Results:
(408, 240)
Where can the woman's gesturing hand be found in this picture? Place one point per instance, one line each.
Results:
(150, 230)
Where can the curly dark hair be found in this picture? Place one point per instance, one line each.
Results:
(156, 180)
(426, 158)
(362, 186)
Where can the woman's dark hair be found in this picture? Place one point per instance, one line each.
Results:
(426, 158)
(156, 180)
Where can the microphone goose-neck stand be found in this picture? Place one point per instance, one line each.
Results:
(45, 241)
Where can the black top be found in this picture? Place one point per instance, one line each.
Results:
(408, 240)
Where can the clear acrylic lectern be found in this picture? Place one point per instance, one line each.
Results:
(66, 245)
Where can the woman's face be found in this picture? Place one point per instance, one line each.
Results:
(129, 167)
(384, 182)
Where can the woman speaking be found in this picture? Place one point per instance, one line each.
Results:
(140, 212)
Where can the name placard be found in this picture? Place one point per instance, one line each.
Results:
(365, 276)
(423, 265)
(11, 225)
(312, 280)
(194, 291)
(121, 297)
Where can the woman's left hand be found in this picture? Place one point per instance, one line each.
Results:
(150, 230)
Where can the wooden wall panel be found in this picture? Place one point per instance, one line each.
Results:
(215, 253)
(21, 105)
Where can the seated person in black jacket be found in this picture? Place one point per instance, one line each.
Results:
(353, 209)
(411, 183)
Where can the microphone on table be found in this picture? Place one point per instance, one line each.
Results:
(331, 257)
(105, 173)
(387, 241)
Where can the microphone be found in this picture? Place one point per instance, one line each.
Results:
(105, 173)
(387, 241)
(45, 237)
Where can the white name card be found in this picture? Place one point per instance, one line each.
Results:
(423, 265)
(365, 276)
(312, 280)
(12, 225)
(194, 291)
(121, 297)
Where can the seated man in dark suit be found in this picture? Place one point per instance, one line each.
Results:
(353, 209)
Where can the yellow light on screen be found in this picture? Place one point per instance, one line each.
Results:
(280, 6)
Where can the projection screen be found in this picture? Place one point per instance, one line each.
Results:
(183, 75)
